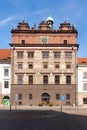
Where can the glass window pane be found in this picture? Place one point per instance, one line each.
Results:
(56, 54)
(57, 79)
(45, 54)
(68, 79)
(68, 54)
(30, 79)
(20, 80)
(6, 84)
(45, 79)
(6, 72)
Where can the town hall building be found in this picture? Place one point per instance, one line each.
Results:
(44, 64)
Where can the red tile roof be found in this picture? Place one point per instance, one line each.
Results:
(82, 60)
(5, 53)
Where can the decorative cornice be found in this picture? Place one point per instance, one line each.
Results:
(45, 31)
(43, 45)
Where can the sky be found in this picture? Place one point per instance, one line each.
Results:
(34, 11)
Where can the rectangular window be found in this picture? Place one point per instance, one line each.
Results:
(6, 84)
(19, 54)
(68, 66)
(57, 79)
(56, 54)
(20, 79)
(57, 96)
(30, 79)
(23, 41)
(57, 65)
(85, 100)
(30, 66)
(30, 54)
(19, 96)
(68, 54)
(20, 103)
(45, 79)
(85, 75)
(85, 86)
(45, 54)
(68, 79)
(65, 42)
(19, 65)
(6, 72)
(30, 96)
(67, 96)
(45, 65)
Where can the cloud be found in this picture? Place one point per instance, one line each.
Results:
(6, 20)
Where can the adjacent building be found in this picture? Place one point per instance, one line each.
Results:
(5, 68)
(44, 64)
(82, 81)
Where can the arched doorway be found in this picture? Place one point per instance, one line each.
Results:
(45, 97)
(6, 100)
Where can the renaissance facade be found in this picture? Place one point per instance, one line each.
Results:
(44, 64)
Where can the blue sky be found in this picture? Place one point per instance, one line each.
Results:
(34, 11)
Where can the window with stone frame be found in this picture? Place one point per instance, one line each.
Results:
(68, 79)
(20, 79)
(57, 79)
(85, 100)
(6, 72)
(30, 79)
(57, 96)
(67, 96)
(84, 86)
(20, 54)
(45, 65)
(30, 65)
(57, 54)
(68, 65)
(45, 54)
(85, 75)
(19, 96)
(57, 65)
(6, 84)
(68, 55)
(30, 96)
(30, 54)
(20, 65)
(45, 79)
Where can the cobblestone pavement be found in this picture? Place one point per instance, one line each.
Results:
(43, 119)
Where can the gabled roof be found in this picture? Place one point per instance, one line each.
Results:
(5, 53)
(82, 60)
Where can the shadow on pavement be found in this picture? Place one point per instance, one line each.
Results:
(41, 120)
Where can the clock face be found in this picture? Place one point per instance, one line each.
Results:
(44, 39)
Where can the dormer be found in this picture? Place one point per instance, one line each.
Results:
(43, 26)
(65, 26)
(23, 26)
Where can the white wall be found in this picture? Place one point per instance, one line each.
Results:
(3, 78)
(81, 80)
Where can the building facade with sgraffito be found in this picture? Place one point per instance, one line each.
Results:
(44, 63)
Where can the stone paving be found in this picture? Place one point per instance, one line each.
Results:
(43, 118)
